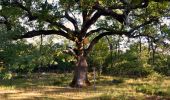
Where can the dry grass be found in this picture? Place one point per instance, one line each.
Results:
(51, 86)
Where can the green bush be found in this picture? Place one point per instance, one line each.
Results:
(162, 64)
(5, 75)
(130, 68)
(132, 63)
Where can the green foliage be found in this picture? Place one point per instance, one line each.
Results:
(21, 57)
(162, 64)
(64, 64)
(131, 63)
(98, 55)
(17, 56)
(166, 30)
(5, 75)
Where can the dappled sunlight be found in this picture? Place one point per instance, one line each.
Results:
(42, 87)
(25, 95)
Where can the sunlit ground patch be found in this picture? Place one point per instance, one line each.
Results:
(53, 86)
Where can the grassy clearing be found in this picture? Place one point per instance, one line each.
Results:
(51, 86)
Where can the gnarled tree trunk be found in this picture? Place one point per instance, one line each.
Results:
(80, 78)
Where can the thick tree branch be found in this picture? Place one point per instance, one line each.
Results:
(34, 33)
(21, 6)
(60, 25)
(72, 20)
(109, 12)
(97, 30)
(29, 14)
(86, 25)
(70, 51)
(129, 33)
(48, 19)
(97, 38)
(84, 15)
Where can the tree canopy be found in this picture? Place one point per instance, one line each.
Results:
(76, 20)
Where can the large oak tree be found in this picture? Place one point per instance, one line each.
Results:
(77, 20)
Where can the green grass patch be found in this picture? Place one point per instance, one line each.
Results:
(151, 90)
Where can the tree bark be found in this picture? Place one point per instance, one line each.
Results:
(80, 78)
(153, 52)
(140, 44)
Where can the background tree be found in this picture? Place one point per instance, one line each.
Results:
(78, 20)
(98, 55)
